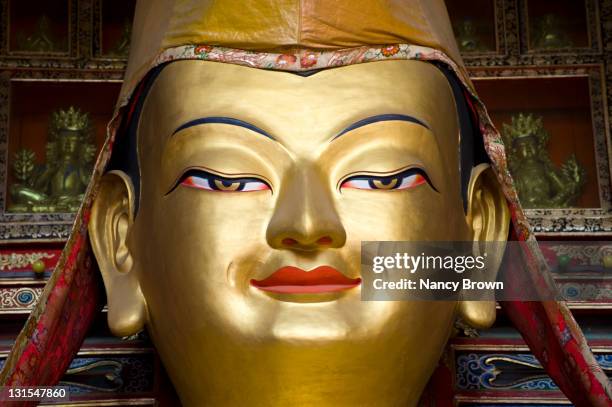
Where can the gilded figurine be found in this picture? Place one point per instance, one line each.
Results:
(467, 36)
(122, 47)
(41, 40)
(550, 34)
(57, 185)
(539, 183)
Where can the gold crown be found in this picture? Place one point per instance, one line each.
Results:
(70, 119)
(525, 125)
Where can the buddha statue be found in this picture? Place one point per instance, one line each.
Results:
(300, 186)
(550, 33)
(58, 184)
(41, 40)
(467, 36)
(254, 148)
(122, 47)
(538, 182)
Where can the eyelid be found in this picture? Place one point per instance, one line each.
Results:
(418, 169)
(217, 174)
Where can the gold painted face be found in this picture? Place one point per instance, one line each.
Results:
(252, 180)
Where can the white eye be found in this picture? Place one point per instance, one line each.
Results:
(210, 182)
(412, 181)
(196, 182)
(408, 179)
(255, 186)
(356, 184)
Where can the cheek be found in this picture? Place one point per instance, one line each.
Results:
(429, 323)
(221, 222)
(410, 336)
(201, 232)
(188, 241)
(412, 215)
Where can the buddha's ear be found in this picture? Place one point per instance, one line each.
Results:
(489, 219)
(111, 221)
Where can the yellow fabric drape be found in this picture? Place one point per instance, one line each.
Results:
(284, 25)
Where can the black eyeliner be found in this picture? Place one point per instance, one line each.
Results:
(405, 173)
(211, 178)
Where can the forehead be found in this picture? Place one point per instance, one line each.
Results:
(300, 112)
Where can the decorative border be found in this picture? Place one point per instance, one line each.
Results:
(24, 260)
(514, 30)
(477, 371)
(589, 291)
(131, 374)
(122, 402)
(3, 31)
(579, 254)
(35, 58)
(593, 31)
(503, 349)
(513, 343)
(90, 27)
(19, 300)
(515, 401)
(572, 221)
(96, 55)
(119, 375)
(500, 35)
(508, 37)
(41, 227)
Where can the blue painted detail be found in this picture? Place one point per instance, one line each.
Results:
(80, 362)
(8, 275)
(520, 371)
(482, 371)
(571, 292)
(119, 375)
(25, 297)
(605, 361)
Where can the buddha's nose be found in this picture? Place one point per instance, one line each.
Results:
(305, 216)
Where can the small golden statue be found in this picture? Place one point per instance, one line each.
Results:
(41, 40)
(550, 34)
(59, 184)
(467, 36)
(122, 47)
(538, 182)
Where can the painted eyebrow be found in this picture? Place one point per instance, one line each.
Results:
(381, 118)
(222, 120)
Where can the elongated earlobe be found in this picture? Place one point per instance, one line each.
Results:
(489, 219)
(109, 228)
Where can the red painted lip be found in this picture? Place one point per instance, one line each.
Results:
(294, 280)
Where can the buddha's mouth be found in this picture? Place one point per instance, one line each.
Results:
(294, 280)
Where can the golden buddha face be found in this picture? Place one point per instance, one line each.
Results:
(257, 189)
(527, 147)
(69, 141)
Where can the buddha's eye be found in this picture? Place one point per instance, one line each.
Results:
(407, 179)
(204, 180)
